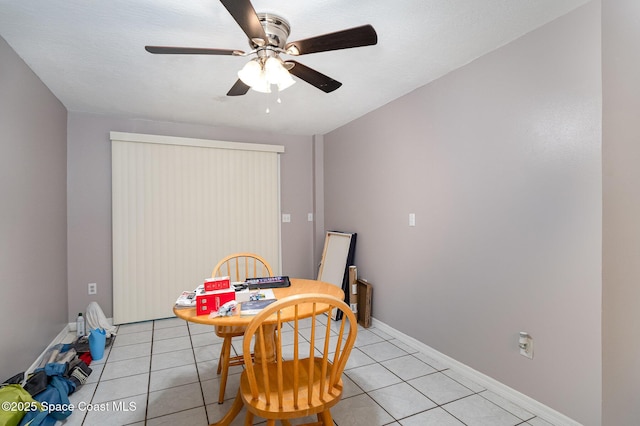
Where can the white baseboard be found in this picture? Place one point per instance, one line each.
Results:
(58, 339)
(69, 328)
(518, 398)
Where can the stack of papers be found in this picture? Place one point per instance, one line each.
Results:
(188, 298)
(246, 294)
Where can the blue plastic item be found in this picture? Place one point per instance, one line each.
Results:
(97, 340)
(56, 395)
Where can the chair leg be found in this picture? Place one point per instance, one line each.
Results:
(222, 352)
(248, 419)
(223, 366)
(325, 418)
(235, 409)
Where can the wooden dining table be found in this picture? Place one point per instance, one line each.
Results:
(298, 286)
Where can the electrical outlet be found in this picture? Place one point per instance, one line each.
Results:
(286, 217)
(93, 288)
(525, 342)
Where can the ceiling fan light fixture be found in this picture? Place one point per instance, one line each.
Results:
(277, 74)
(273, 70)
(262, 86)
(251, 74)
(260, 75)
(286, 81)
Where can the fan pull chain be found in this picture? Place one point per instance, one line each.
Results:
(268, 102)
(278, 100)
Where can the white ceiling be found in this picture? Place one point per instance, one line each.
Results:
(90, 53)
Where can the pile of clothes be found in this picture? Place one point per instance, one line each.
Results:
(41, 397)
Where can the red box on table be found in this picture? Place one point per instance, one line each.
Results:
(212, 300)
(217, 283)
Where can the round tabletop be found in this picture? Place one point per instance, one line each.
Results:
(298, 286)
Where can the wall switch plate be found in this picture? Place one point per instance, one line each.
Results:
(412, 219)
(286, 218)
(310, 217)
(93, 288)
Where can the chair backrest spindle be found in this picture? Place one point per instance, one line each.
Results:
(325, 356)
(296, 369)
(279, 360)
(337, 363)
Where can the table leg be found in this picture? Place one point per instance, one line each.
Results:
(269, 354)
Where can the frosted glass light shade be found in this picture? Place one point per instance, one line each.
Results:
(260, 78)
(273, 70)
(285, 81)
(251, 73)
(262, 86)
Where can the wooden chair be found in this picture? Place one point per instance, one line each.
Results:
(310, 382)
(239, 267)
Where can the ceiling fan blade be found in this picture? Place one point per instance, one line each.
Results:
(245, 15)
(345, 39)
(313, 77)
(238, 89)
(191, 51)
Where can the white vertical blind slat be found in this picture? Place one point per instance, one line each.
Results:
(178, 209)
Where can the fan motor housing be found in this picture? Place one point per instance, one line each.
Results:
(276, 28)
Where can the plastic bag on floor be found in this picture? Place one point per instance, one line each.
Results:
(16, 400)
(96, 319)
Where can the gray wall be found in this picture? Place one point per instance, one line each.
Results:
(621, 225)
(501, 163)
(33, 216)
(89, 198)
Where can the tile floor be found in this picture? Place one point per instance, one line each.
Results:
(163, 372)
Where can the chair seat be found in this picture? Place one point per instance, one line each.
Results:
(273, 410)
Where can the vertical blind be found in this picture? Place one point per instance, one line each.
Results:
(179, 206)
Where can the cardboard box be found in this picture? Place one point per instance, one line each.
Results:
(212, 300)
(365, 293)
(217, 283)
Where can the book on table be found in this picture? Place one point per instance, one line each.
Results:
(252, 307)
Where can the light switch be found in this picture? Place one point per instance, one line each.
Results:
(412, 219)
(310, 217)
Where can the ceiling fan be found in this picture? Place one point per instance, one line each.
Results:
(267, 35)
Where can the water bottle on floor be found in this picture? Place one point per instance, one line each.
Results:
(80, 330)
